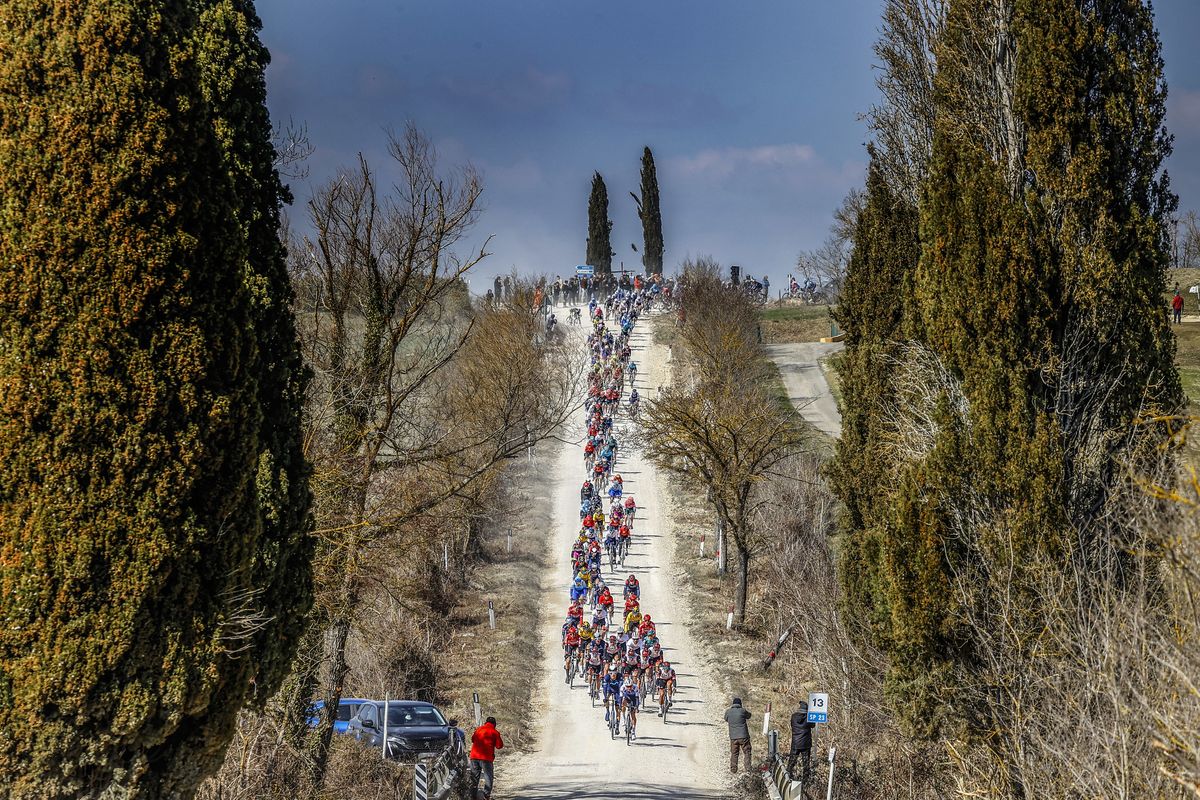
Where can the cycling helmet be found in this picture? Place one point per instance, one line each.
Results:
(646, 618)
(587, 626)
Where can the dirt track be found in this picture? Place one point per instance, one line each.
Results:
(687, 757)
(806, 386)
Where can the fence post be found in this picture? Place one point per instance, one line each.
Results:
(721, 557)
(491, 615)
(773, 745)
(509, 546)
(478, 709)
(829, 791)
(421, 781)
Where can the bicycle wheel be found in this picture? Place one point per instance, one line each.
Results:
(628, 728)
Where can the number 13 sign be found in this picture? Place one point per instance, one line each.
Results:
(818, 707)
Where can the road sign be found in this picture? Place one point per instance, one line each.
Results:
(584, 271)
(818, 707)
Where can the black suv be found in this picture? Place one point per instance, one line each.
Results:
(414, 729)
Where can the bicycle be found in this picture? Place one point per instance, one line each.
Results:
(572, 668)
(664, 703)
(628, 725)
(594, 686)
(614, 719)
(624, 551)
(612, 555)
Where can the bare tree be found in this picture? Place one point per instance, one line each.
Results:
(903, 121)
(389, 334)
(721, 430)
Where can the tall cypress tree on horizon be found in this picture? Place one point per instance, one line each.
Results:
(599, 241)
(651, 216)
(154, 561)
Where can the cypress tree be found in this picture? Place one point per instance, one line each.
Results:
(870, 311)
(1036, 301)
(153, 556)
(651, 216)
(599, 241)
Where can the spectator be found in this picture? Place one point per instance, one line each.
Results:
(484, 744)
(1177, 306)
(801, 743)
(739, 734)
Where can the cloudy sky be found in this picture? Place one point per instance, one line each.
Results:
(753, 110)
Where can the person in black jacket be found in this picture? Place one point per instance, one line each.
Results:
(801, 743)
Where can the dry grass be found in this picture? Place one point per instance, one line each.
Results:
(500, 665)
(737, 656)
(791, 322)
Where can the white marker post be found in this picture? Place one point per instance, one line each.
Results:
(829, 791)
(729, 621)
(491, 615)
(478, 709)
(509, 545)
(767, 719)
(386, 707)
(702, 547)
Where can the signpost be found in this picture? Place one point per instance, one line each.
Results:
(818, 707)
(584, 271)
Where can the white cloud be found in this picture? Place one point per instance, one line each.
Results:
(727, 161)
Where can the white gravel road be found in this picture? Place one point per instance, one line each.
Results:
(687, 757)
(806, 386)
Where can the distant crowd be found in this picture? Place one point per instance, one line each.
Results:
(577, 290)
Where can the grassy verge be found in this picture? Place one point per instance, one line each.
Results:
(829, 369)
(501, 664)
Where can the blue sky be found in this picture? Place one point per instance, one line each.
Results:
(753, 110)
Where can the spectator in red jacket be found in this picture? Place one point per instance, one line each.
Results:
(1177, 306)
(484, 744)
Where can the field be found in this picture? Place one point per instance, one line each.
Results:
(794, 323)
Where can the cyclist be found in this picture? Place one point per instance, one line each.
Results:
(612, 690)
(570, 647)
(632, 620)
(646, 625)
(578, 588)
(611, 542)
(612, 648)
(605, 598)
(595, 664)
(631, 603)
(630, 700)
(600, 617)
(632, 586)
(630, 508)
(575, 613)
(664, 684)
(586, 634)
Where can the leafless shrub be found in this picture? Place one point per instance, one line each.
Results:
(824, 652)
